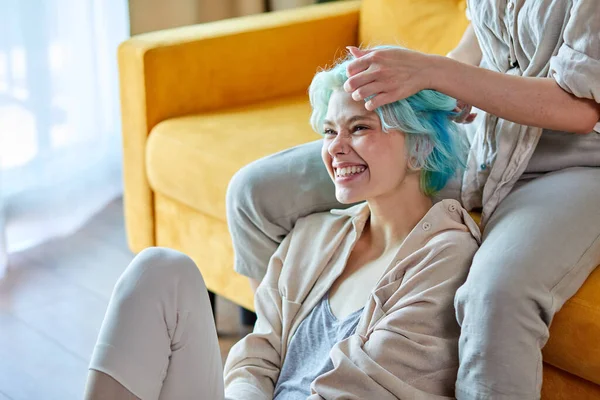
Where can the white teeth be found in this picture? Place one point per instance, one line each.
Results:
(349, 170)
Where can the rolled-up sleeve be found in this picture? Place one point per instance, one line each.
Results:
(576, 67)
(254, 363)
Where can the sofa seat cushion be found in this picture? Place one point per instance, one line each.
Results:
(192, 159)
(574, 343)
(561, 385)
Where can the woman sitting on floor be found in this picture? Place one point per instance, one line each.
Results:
(356, 303)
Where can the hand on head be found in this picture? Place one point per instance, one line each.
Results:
(386, 75)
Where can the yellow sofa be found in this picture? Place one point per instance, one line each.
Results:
(200, 102)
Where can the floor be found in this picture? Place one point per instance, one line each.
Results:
(52, 302)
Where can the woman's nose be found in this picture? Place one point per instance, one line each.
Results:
(339, 145)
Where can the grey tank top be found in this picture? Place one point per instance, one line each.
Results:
(308, 352)
(558, 150)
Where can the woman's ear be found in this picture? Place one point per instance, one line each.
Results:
(414, 165)
(423, 149)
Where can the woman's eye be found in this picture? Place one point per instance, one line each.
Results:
(329, 132)
(360, 128)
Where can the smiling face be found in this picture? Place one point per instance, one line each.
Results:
(363, 161)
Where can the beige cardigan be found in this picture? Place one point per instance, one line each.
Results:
(406, 342)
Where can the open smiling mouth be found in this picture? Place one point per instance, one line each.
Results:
(349, 173)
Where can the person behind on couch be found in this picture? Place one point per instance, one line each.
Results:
(356, 303)
(533, 68)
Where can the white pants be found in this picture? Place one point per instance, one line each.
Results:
(158, 338)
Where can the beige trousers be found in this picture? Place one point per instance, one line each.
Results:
(158, 338)
(538, 248)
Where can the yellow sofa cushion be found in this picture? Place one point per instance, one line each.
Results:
(561, 385)
(192, 159)
(574, 343)
(432, 26)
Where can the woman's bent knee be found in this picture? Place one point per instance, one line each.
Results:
(248, 182)
(262, 188)
(156, 267)
(494, 292)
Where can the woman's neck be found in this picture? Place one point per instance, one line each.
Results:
(395, 214)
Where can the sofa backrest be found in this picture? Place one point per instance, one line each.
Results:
(431, 26)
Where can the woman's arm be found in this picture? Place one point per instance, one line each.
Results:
(394, 74)
(254, 363)
(467, 50)
(528, 101)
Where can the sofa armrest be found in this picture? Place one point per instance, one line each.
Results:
(211, 66)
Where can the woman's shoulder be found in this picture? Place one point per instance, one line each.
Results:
(317, 236)
(451, 223)
(459, 243)
(311, 245)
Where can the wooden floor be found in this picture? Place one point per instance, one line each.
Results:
(52, 302)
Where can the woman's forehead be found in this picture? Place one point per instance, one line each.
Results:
(343, 108)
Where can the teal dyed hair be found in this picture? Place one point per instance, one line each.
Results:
(426, 119)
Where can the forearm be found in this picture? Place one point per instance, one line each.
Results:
(528, 101)
(254, 363)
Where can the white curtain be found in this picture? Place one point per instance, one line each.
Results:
(60, 158)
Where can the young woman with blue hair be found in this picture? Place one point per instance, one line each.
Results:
(533, 169)
(355, 304)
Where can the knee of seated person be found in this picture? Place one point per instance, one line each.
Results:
(248, 183)
(155, 267)
(491, 292)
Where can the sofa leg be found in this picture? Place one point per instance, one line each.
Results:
(213, 304)
(247, 317)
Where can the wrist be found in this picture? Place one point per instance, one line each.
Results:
(440, 72)
(454, 54)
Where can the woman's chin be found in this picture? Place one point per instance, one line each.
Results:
(345, 197)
